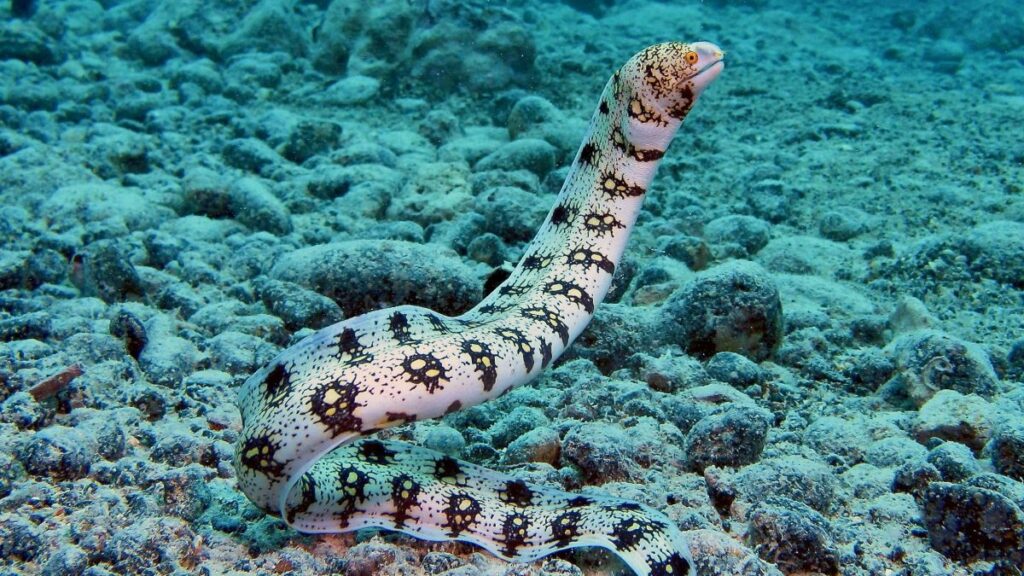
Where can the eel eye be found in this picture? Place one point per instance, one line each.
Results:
(691, 57)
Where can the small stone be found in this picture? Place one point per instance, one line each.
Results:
(1007, 450)
(24, 41)
(914, 478)
(519, 421)
(894, 451)
(185, 492)
(967, 523)
(297, 306)
(58, 452)
(954, 461)
(351, 91)
(69, 559)
(996, 250)
(251, 155)
(733, 438)
(19, 538)
(793, 536)
(166, 359)
(793, 477)
(310, 137)
(733, 369)
(952, 416)
(444, 439)
(511, 213)
(746, 233)
(929, 361)
(529, 113)
(531, 154)
(843, 223)
(103, 270)
(254, 205)
(733, 307)
(541, 444)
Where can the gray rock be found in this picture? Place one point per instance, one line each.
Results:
(529, 114)
(20, 538)
(733, 307)
(444, 439)
(519, 421)
(842, 224)
(732, 438)
(166, 359)
(793, 477)
(310, 137)
(297, 306)
(996, 250)
(914, 478)
(26, 42)
(734, 369)
(270, 26)
(68, 559)
(251, 155)
(793, 536)
(967, 523)
(185, 491)
(58, 452)
(602, 452)
(103, 270)
(928, 361)
(747, 233)
(351, 91)
(538, 445)
(386, 272)
(952, 416)
(954, 461)
(511, 213)
(254, 205)
(1007, 450)
(894, 451)
(531, 154)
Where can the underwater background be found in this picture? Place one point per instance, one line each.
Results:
(811, 358)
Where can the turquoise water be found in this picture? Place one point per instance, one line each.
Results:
(810, 359)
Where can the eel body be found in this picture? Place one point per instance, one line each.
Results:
(302, 452)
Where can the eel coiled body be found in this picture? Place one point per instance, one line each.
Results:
(301, 454)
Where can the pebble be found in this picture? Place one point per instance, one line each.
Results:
(733, 307)
(793, 477)
(996, 250)
(733, 438)
(542, 444)
(351, 91)
(1007, 450)
(519, 421)
(952, 416)
(914, 478)
(298, 307)
(793, 536)
(251, 155)
(167, 359)
(954, 461)
(310, 137)
(843, 223)
(734, 369)
(387, 271)
(102, 269)
(894, 451)
(19, 538)
(737, 235)
(511, 213)
(444, 439)
(928, 361)
(967, 523)
(531, 154)
(185, 492)
(58, 452)
(602, 452)
(26, 42)
(254, 205)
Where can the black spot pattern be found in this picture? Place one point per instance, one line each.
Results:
(425, 369)
(514, 289)
(258, 454)
(562, 215)
(350, 350)
(352, 482)
(438, 323)
(546, 354)
(448, 470)
(673, 565)
(516, 493)
(588, 258)
(616, 187)
(398, 325)
(565, 528)
(537, 261)
(631, 531)
(587, 153)
(278, 385)
(405, 493)
(307, 487)
(602, 223)
(483, 361)
(682, 108)
(376, 452)
(519, 340)
(651, 155)
(620, 141)
(334, 406)
(515, 529)
(549, 318)
(461, 513)
(638, 110)
(579, 502)
(573, 292)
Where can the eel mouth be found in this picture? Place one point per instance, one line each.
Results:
(717, 66)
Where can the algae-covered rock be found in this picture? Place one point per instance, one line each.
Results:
(365, 275)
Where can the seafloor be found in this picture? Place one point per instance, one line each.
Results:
(189, 186)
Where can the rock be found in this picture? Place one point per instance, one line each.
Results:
(58, 452)
(103, 270)
(1007, 450)
(297, 306)
(733, 307)
(531, 154)
(830, 435)
(251, 155)
(118, 207)
(444, 439)
(952, 416)
(914, 478)
(894, 451)
(601, 451)
(812, 256)
(511, 213)
(745, 234)
(20, 538)
(615, 333)
(928, 361)
(844, 223)
(351, 91)
(690, 250)
(793, 477)
(166, 359)
(254, 205)
(954, 461)
(734, 369)
(310, 137)
(541, 444)
(68, 559)
(529, 113)
(24, 41)
(996, 250)
(909, 315)
(793, 536)
(185, 491)
(670, 372)
(733, 438)
(967, 523)
(435, 192)
(519, 421)
(386, 272)
(269, 26)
